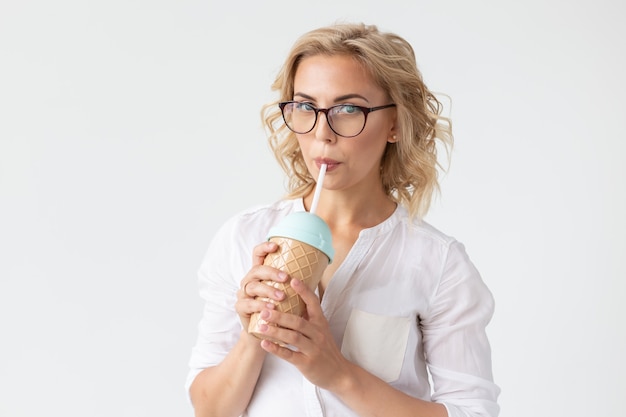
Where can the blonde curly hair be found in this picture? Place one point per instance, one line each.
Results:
(409, 167)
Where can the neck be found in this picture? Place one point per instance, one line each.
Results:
(352, 209)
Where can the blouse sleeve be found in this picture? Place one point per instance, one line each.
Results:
(218, 280)
(455, 341)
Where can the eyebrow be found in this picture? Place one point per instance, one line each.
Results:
(340, 98)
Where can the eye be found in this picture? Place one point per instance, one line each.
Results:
(304, 107)
(348, 109)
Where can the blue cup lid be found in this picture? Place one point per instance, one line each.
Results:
(308, 228)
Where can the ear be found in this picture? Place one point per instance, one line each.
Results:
(393, 132)
(393, 135)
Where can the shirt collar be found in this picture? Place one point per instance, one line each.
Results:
(384, 227)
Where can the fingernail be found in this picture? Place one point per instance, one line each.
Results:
(265, 314)
(295, 282)
(279, 295)
(282, 275)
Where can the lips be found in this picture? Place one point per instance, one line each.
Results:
(330, 163)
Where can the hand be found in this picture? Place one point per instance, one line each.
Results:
(254, 295)
(316, 354)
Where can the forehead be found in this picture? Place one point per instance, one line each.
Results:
(320, 76)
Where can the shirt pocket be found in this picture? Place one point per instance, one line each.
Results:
(376, 343)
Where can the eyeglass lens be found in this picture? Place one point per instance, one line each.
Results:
(344, 119)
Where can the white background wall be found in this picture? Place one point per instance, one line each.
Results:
(130, 130)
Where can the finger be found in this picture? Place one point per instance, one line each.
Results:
(266, 290)
(264, 273)
(309, 297)
(260, 252)
(288, 328)
(275, 349)
(246, 307)
(249, 306)
(261, 273)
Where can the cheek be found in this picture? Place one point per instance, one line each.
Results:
(305, 149)
(373, 147)
(303, 145)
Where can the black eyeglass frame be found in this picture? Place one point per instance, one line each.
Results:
(365, 110)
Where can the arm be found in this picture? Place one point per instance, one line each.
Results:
(455, 346)
(321, 362)
(370, 396)
(225, 389)
(455, 340)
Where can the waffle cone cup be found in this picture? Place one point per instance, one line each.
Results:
(300, 261)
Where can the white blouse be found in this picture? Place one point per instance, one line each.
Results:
(406, 304)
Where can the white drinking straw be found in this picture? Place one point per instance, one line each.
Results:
(318, 188)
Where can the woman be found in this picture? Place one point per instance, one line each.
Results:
(400, 301)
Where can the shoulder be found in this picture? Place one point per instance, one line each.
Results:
(274, 210)
(235, 238)
(452, 266)
(254, 222)
(419, 230)
(427, 245)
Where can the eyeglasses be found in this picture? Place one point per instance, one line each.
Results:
(345, 120)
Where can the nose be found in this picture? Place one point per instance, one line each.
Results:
(322, 129)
